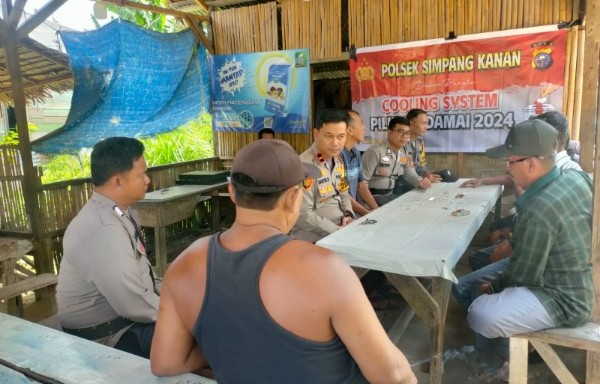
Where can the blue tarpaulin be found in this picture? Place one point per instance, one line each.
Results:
(129, 82)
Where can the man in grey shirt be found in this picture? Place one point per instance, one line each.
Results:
(106, 289)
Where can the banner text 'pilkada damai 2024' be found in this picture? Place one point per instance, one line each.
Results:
(261, 90)
(473, 88)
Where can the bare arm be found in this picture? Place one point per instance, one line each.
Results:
(174, 350)
(492, 180)
(360, 330)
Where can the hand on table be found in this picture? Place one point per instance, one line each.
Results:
(433, 177)
(346, 220)
(424, 183)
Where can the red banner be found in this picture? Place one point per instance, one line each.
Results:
(473, 88)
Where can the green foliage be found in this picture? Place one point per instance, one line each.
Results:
(67, 167)
(191, 141)
(12, 138)
(146, 19)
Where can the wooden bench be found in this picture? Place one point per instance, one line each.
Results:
(45, 280)
(586, 337)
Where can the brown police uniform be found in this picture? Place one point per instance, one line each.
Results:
(326, 199)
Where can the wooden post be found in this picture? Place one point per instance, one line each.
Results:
(30, 181)
(589, 114)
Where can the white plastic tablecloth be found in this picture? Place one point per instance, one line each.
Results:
(416, 234)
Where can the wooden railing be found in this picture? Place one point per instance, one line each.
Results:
(60, 202)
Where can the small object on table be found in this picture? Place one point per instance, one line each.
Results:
(460, 212)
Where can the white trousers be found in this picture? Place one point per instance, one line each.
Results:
(512, 311)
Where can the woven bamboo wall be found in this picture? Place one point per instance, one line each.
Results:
(316, 25)
(245, 29)
(373, 23)
(12, 207)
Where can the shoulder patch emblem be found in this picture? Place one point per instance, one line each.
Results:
(307, 184)
(403, 160)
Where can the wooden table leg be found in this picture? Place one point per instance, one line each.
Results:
(216, 213)
(160, 250)
(440, 290)
(431, 308)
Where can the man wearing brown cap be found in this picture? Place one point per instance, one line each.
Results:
(548, 280)
(261, 307)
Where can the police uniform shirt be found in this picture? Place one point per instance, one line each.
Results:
(326, 199)
(104, 272)
(416, 151)
(382, 166)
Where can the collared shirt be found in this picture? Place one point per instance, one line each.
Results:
(325, 199)
(104, 272)
(563, 161)
(382, 165)
(551, 246)
(352, 164)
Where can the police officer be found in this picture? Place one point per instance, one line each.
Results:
(106, 289)
(326, 204)
(384, 163)
(415, 147)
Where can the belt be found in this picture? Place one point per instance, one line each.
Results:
(376, 191)
(101, 330)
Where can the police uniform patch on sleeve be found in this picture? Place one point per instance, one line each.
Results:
(403, 160)
(307, 184)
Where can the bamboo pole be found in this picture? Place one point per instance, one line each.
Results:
(578, 87)
(572, 75)
(566, 82)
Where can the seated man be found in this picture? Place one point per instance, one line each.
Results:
(258, 312)
(326, 206)
(106, 289)
(415, 148)
(489, 262)
(352, 163)
(384, 163)
(548, 280)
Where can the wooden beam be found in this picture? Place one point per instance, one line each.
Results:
(588, 123)
(38, 18)
(39, 83)
(225, 3)
(6, 7)
(199, 35)
(15, 14)
(151, 8)
(3, 29)
(30, 179)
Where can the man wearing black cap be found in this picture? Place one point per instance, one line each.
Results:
(261, 307)
(548, 280)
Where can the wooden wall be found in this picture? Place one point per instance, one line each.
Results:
(318, 25)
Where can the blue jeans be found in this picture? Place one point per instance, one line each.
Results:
(467, 288)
